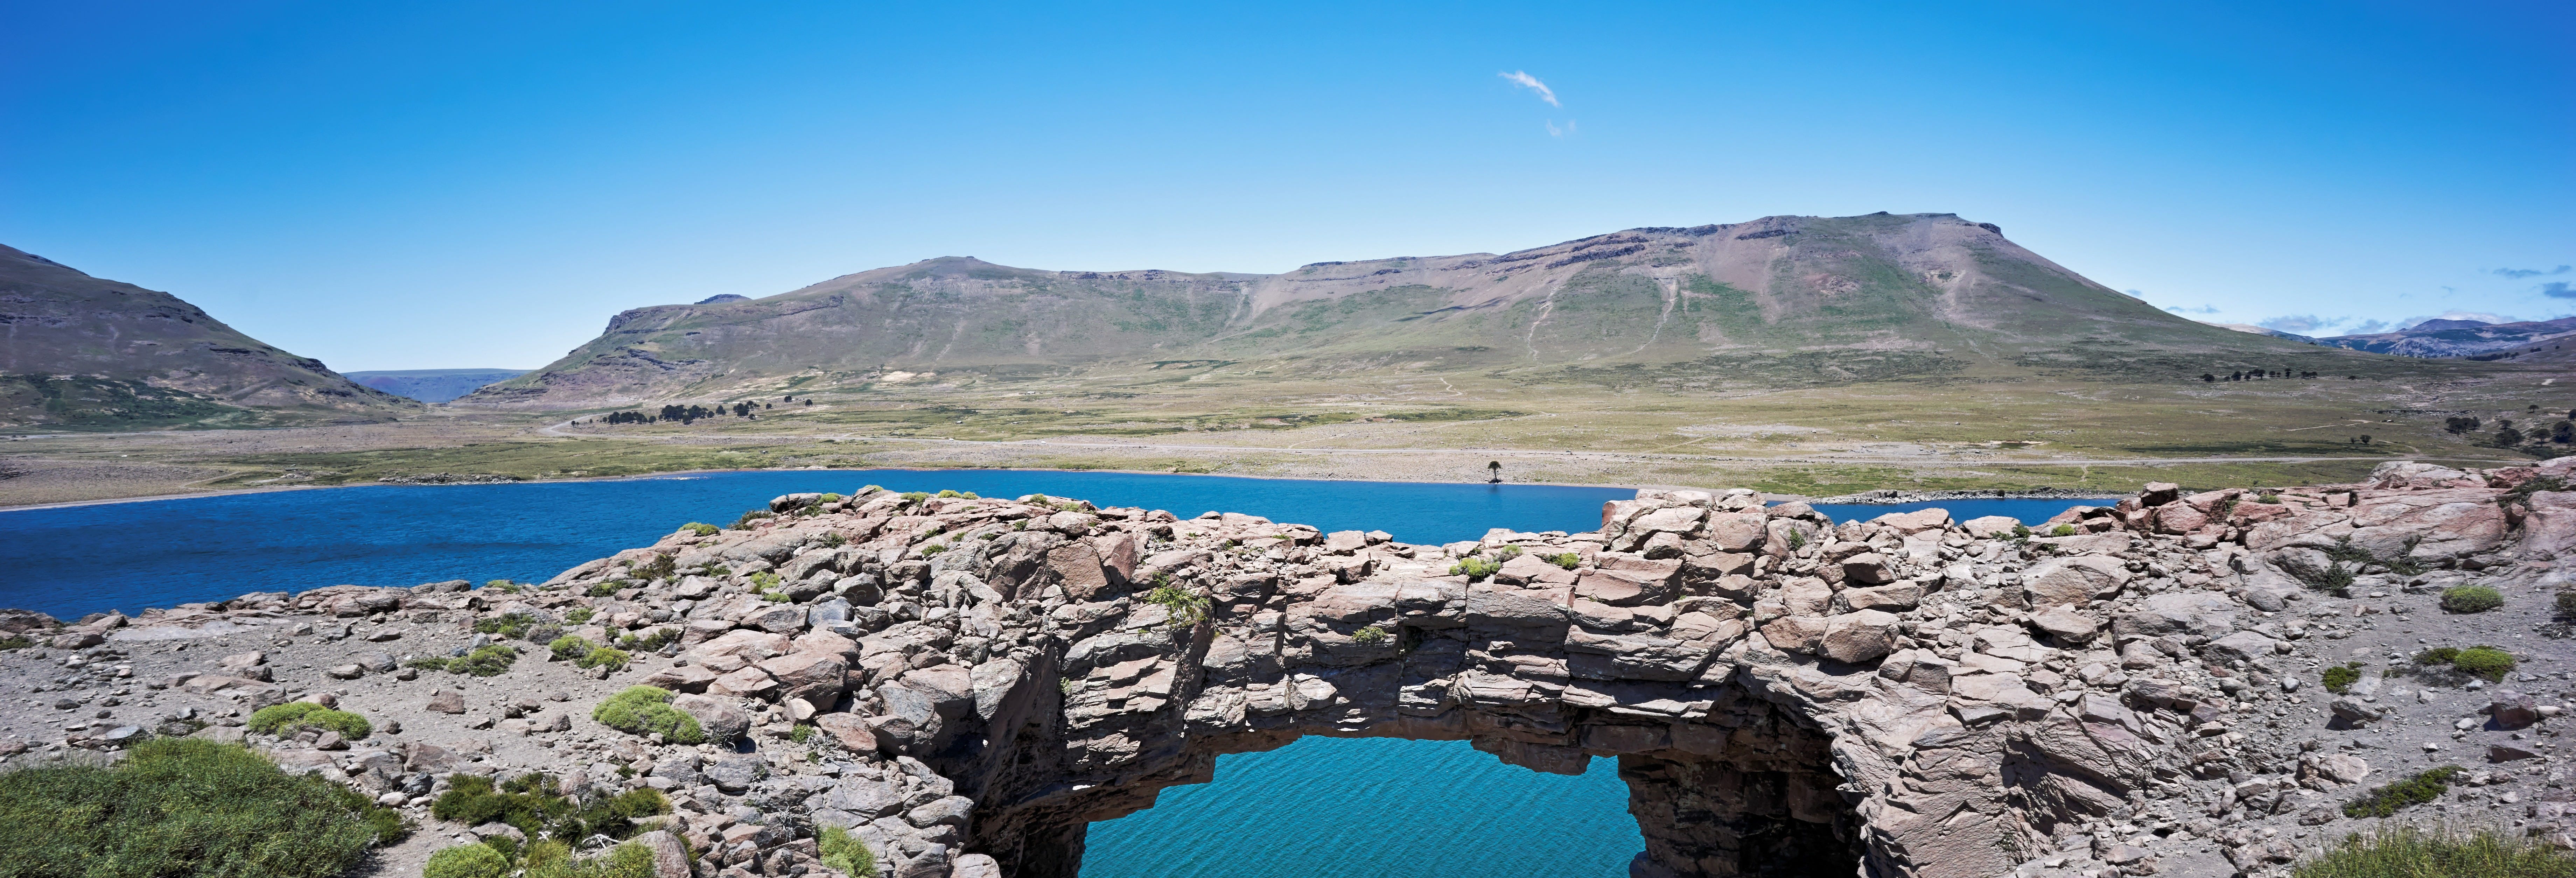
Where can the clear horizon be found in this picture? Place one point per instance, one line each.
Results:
(483, 185)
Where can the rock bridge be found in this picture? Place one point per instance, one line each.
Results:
(1784, 696)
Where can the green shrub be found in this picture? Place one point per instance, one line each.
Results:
(2566, 603)
(642, 710)
(2020, 532)
(764, 580)
(293, 715)
(944, 495)
(2413, 852)
(2063, 530)
(490, 661)
(661, 567)
(2268, 497)
(744, 523)
(1507, 553)
(1475, 568)
(569, 647)
(428, 663)
(1370, 636)
(1567, 560)
(846, 852)
(467, 861)
(511, 626)
(528, 802)
(2340, 678)
(915, 496)
(2383, 801)
(182, 807)
(1188, 608)
(650, 641)
(605, 657)
(600, 589)
(702, 529)
(503, 586)
(933, 549)
(828, 498)
(834, 540)
(579, 615)
(2471, 599)
(15, 641)
(801, 733)
(2486, 662)
(622, 861)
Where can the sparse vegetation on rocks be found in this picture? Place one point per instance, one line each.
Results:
(2404, 851)
(2471, 599)
(646, 710)
(182, 807)
(293, 715)
(2387, 800)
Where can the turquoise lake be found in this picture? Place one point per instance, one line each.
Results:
(1326, 806)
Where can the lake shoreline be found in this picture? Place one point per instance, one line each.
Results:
(1884, 497)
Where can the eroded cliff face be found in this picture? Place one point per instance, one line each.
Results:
(1908, 696)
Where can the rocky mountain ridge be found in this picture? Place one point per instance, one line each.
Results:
(1918, 293)
(2459, 338)
(88, 353)
(2126, 690)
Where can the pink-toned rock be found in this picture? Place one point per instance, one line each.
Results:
(2073, 580)
(2549, 529)
(826, 642)
(749, 682)
(1736, 531)
(1626, 588)
(1118, 553)
(851, 730)
(1915, 522)
(746, 643)
(814, 677)
(1795, 634)
(1079, 567)
(1867, 568)
(1858, 637)
(681, 678)
(2179, 518)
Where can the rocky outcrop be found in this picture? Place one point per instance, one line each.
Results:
(1785, 695)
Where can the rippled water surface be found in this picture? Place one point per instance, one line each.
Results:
(1320, 806)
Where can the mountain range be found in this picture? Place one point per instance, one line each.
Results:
(2457, 338)
(87, 353)
(1876, 295)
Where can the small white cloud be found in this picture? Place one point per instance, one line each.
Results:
(2299, 323)
(2178, 309)
(1553, 131)
(1527, 81)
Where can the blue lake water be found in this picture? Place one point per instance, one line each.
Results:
(1329, 806)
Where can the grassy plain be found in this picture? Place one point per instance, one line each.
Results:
(2021, 429)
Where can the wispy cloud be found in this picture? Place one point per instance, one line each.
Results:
(2368, 327)
(2300, 323)
(2520, 273)
(1553, 131)
(1524, 80)
(2134, 294)
(2558, 289)
(2178, 309)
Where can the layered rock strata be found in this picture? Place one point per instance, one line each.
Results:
(982, 678)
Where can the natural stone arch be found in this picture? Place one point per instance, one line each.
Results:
(1896, 698)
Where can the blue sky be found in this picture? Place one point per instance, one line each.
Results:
(389, 186)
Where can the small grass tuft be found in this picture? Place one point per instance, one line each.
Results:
(847, 853)
(702, 528)
(642, 710)
(1475, 568)
(2387, 800)
(286, 718)
(2471, 599)
(2339, 679)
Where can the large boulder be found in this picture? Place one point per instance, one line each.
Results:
(2074, 580)
(719, 717)
(1859, 637)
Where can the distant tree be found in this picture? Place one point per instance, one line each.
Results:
(2204, 376)
(809, 402)
(2365, 438)
(2563, 432)
(2506, 436)
(1495, 467)
(2458, 425)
